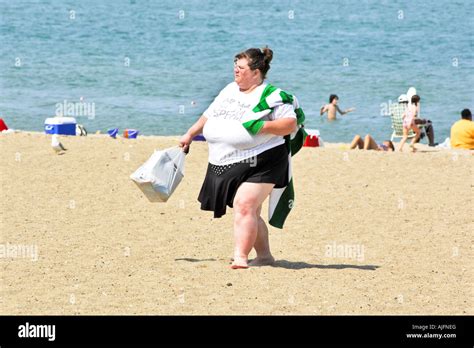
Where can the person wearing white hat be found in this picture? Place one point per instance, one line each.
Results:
(427, 124)
(403, 98)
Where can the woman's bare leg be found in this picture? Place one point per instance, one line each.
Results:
(369, 143)
(248, 199)
(262, 244)
(415, 138)
(404, 139)
(357, 142)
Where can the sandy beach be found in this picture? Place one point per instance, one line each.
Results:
(371, 233)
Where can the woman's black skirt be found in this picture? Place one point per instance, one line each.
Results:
(221, 182)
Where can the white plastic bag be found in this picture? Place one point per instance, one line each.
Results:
(159, 176)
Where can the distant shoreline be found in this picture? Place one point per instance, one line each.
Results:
(332, 145)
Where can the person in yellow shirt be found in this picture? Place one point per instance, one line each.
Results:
(462, 132)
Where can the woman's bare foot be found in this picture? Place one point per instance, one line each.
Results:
(239, 262)
(262, 261)
(413, 148)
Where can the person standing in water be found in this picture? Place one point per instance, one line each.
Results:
(332, 107)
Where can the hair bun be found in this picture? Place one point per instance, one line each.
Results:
(257, 58)
(267, 54)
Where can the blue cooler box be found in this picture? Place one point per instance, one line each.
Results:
(60, 125)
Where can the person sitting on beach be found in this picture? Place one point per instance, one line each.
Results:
(243, 169)
(409, 122)
(462, 132)
(369, 144)
(428, 125)
(332, 107)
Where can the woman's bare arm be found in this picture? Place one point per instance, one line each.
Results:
(194, 130)
(282, 126)
(197, 127)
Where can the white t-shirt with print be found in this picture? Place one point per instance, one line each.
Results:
(228, 140)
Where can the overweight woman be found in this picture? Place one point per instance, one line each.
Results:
(243, 168)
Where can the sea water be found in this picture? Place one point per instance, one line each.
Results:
(156, 65)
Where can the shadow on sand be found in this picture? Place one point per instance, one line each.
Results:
(297, 265)
(193, 260)
(304, 265)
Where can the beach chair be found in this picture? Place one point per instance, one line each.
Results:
(396, 115)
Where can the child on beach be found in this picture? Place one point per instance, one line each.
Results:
(409, 122)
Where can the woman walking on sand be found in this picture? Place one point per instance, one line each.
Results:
(248, 152)
(409, 122)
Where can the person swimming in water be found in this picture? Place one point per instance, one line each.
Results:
(332, 107)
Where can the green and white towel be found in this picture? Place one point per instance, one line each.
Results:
(281, 199)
